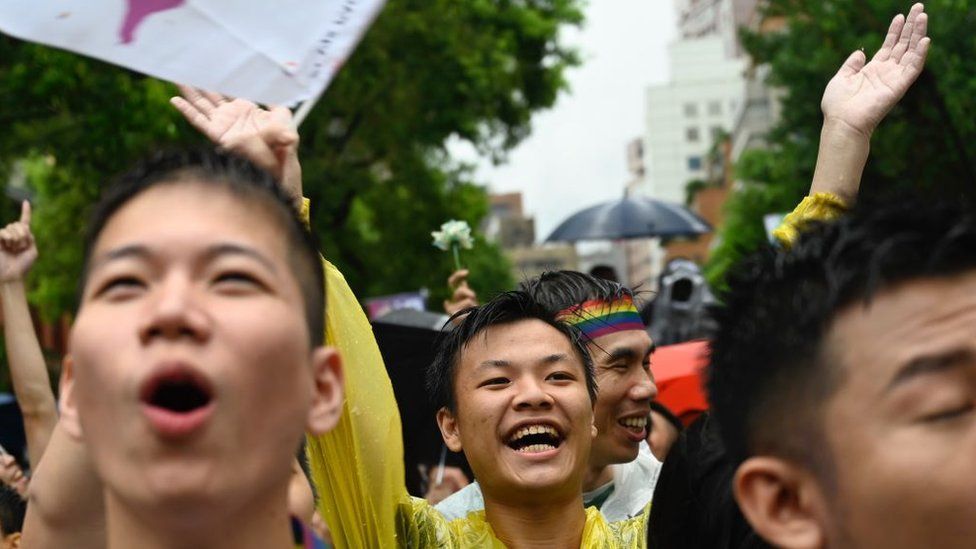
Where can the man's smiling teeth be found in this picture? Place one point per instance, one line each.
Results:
(535, 438)
(534, 430)
(635, 423)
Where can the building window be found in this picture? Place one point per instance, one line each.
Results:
(691, 110)
(691, 134)
(714, 108)
(694, 163)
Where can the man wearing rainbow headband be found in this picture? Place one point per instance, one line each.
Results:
(622, 471)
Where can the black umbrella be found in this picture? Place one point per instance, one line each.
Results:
(408, 340)
(631, 217)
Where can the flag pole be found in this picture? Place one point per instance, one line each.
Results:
(304, 108)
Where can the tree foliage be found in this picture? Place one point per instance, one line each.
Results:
(373, 149)
(927, 140)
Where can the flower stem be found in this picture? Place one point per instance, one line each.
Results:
(457, 257)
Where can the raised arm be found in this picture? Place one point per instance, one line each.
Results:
(32, 386)
(859, 96)
(357, 468)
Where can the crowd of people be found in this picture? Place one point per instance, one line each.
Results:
(223, 387)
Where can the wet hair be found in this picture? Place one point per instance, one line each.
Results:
(771, 371)
(558, 290)
(506, 308)
(12, 510)
(243, 180)
(694, 507)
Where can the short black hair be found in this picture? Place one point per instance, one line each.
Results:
(770, 371)
(693, 503)
(242, 179)
(505, 308)
(12, 510)
(559, 290)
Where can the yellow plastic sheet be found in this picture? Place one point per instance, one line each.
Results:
(817, 207)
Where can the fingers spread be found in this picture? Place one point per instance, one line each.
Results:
(894, 31)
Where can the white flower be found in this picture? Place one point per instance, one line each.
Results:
(451, 233)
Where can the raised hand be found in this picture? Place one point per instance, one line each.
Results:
(12, 475)
(860, 95)
(462, 297)
(17, 249)
(264, 136)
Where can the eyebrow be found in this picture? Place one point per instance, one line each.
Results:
(141, 251)
(550, 359)
(236, 249)
(929, 365)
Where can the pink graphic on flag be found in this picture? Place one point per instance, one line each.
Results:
(139, 10)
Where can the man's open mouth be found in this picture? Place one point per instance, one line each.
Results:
(178, 391)
(532, 439)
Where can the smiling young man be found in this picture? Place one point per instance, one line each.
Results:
(843, 377)
(516, 390)
(196, 360)
(621, 471)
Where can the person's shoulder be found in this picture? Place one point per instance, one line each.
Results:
(421, 525)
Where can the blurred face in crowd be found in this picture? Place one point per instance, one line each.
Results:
(900, 427)
(662, 435)
(191, 377)
(523, 415)
(621, 361)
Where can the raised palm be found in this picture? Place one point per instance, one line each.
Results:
(17, 249)
(264, 136)
(860, 94)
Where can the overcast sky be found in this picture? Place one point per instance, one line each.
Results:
(576, 155)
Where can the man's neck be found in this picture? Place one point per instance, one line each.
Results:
(557, 523)
(596, 477)
(261, 526)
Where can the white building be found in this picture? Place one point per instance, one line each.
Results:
(706, 92)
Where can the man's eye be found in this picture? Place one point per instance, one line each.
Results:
(562, 376)
(494, 381)
(236, 278)
(120, 285)
(952, 413)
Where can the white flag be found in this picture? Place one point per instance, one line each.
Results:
(268, 51)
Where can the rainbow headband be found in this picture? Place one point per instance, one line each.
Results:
(596, 318)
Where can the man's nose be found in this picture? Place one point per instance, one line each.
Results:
(644, 388)
(174, 312)
(532, 394)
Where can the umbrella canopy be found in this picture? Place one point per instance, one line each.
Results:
(631, 217)
(678, 374)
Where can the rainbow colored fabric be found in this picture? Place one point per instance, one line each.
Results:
(597, 318)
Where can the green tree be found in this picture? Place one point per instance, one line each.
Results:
(926, 140)
(373, 149)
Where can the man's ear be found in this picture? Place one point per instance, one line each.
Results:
(449, 429)
(782, 501)
(328, 383)
(12, 541)
(67, 405)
